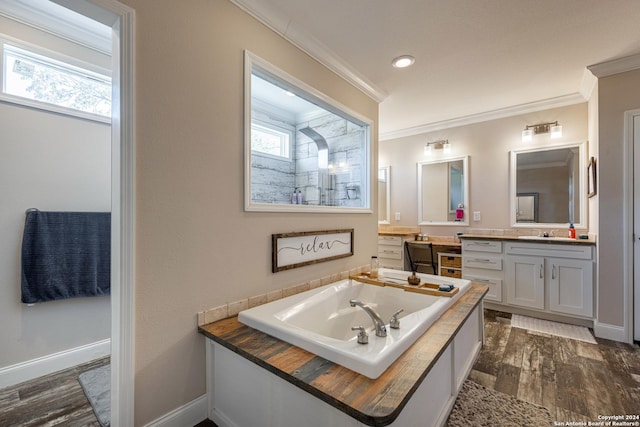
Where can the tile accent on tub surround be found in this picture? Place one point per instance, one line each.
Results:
(237, 306)
(274, 295)
(233, 308)
(296, 289)
(258, 300)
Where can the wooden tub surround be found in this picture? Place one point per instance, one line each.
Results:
(374, 402)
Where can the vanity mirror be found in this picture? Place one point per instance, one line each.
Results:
(384, 195)
(443, 185)
(304, 152)
(547, 186)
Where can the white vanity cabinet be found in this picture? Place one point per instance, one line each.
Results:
(525, 281)
(553, 278)
(391, 252)
(482, 262)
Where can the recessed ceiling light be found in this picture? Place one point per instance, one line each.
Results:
(403, 61)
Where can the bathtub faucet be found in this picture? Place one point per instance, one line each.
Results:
(381, 330)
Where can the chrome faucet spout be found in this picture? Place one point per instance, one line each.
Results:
(381, 329)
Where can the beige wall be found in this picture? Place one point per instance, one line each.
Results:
(195, 246)
(617, 94)
(487, 144)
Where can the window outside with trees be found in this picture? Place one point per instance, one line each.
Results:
(50, 82)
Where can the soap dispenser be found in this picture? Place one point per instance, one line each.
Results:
(572, 231)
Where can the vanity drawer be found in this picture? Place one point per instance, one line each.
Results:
(390, 252)
(550, 250)
(395, 264)
(482, 246)
(390, 240)
(495, 286)
(450, 260)
(451, 272)
(482, 262)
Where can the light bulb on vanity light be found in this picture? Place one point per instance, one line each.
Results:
(446, 147)
(527, 135)
(556, 131)
(428, 150)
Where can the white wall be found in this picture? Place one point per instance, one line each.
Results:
(488, 145)
(50, 162)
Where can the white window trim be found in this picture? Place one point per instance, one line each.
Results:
(45, 106)
(279, 129)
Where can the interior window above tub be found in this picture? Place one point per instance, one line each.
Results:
(304, 151)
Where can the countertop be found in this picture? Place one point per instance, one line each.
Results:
(372, 402)
(531, 239)
(436, 242)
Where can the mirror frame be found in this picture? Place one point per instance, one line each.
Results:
(582, 162)
(387, 170)
(251, 62)
(465, 165)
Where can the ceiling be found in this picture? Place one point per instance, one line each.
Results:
(474, 58)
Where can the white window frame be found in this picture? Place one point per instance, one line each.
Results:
(44, 54)
(276, 130)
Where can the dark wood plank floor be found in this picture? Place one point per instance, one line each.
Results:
(55, 399)
(576, 381)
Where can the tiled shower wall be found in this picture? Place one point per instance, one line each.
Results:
(274, 180)
(345, 142)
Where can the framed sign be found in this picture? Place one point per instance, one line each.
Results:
(293, 250)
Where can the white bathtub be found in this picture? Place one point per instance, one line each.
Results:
(320, 320)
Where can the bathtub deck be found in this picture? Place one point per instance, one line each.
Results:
(373, 402)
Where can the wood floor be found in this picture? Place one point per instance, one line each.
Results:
(55, 399)
(575, 380)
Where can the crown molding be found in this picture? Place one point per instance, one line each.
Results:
(61, 22)
(278, 22)
(615, 66)
(587, 84)
(560, 101)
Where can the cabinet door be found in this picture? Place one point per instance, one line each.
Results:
(525, 281)
(570, 286)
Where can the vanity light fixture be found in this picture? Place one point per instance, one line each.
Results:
(403, 61)
(442, 144)
(552, 127)
(446, 148)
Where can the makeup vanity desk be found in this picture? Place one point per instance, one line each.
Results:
(447, 254)
(391, 253)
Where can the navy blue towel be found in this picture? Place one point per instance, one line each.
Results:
(65, 255)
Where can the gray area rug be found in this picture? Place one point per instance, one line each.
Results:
(96, 384)
(479, 406)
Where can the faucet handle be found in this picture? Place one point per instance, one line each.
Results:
(363, 338)
(394, 323)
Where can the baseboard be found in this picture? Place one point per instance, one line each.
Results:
(25, 371)
(189, 414)
(609, 332)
